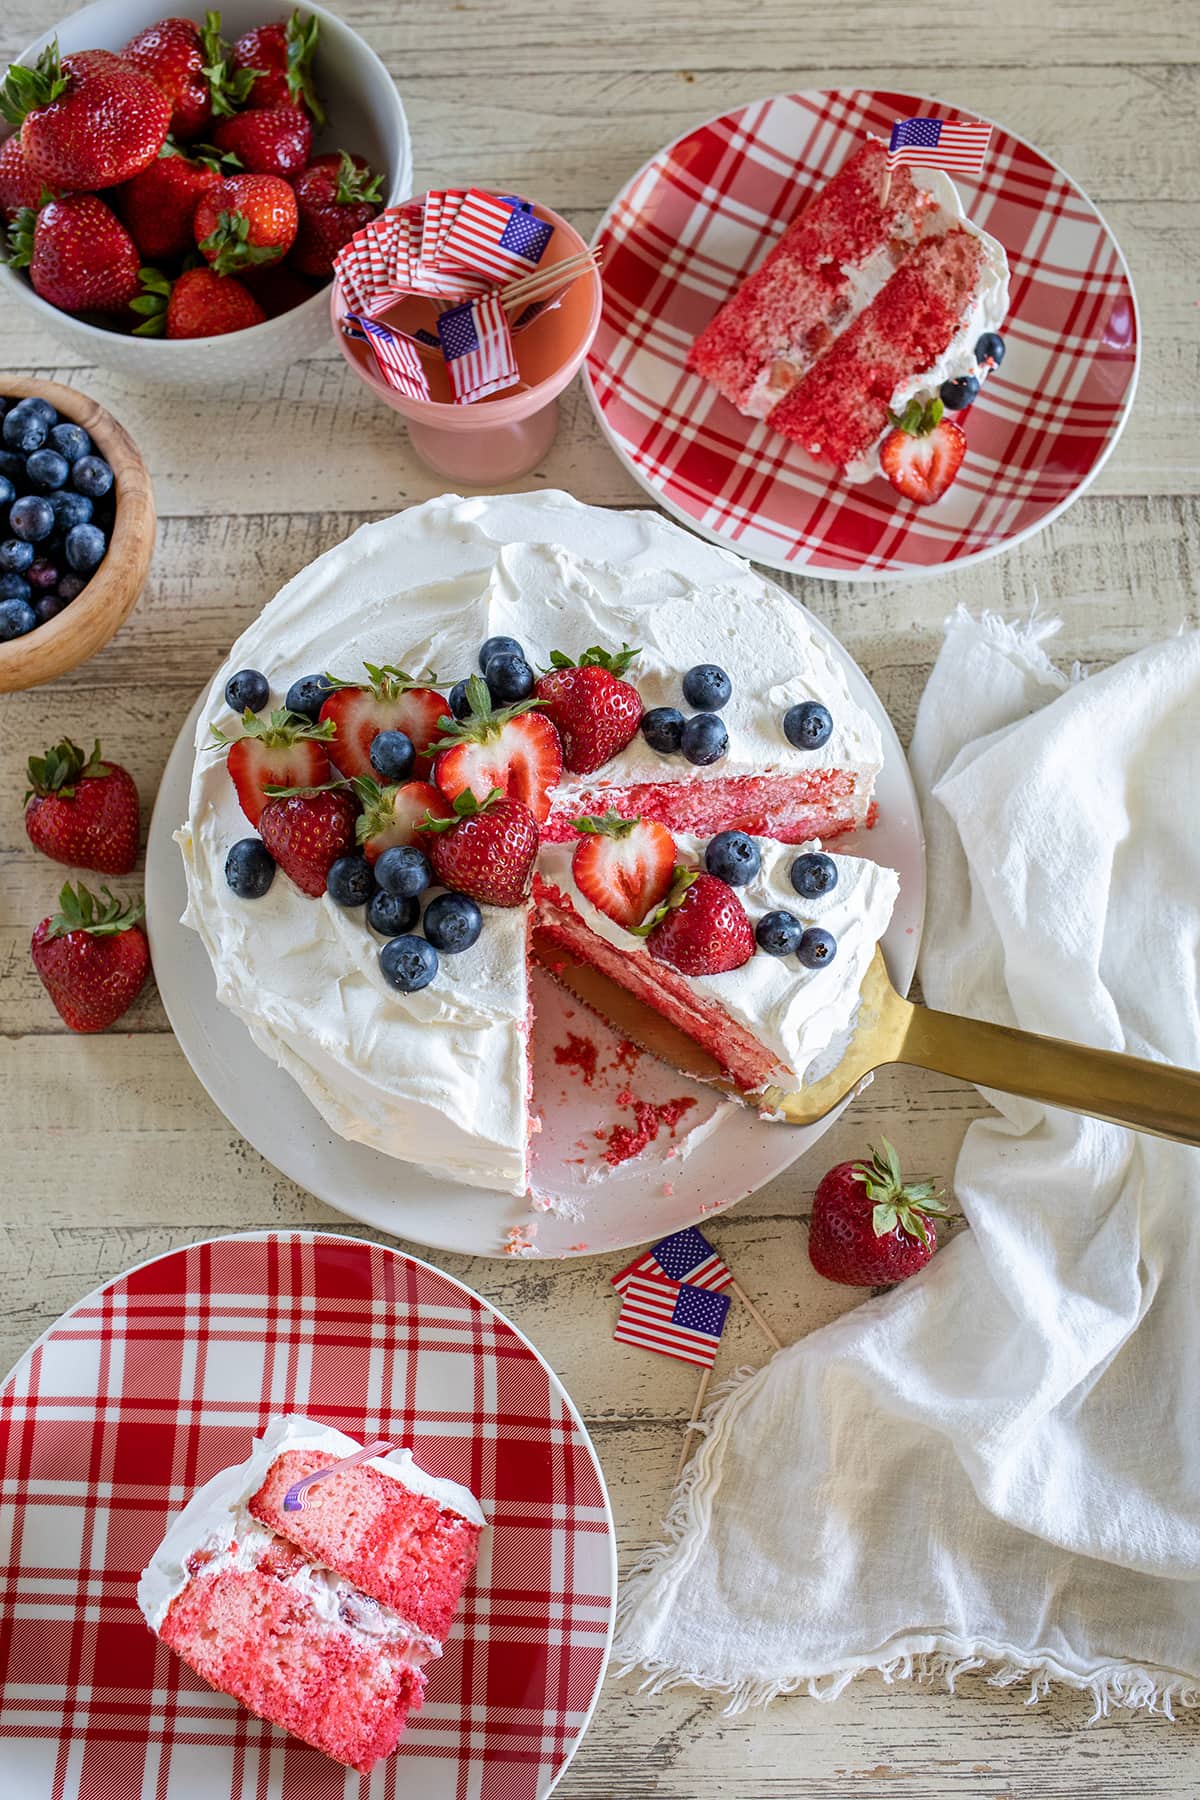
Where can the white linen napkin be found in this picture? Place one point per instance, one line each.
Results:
(997, 1465)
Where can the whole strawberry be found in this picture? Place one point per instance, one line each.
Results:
(306, 832)
(173, 53)
(92, 957)
(335, 197)
(703, 929)
(87, 121)
(276, 287)
(19, 186)
(270, 140)
(158, 205)
(197, 304)
(82, 810)
(79, 255)
(486, 850)
(595, 712)
(868, 1226)
(245, 219)
(281, 57)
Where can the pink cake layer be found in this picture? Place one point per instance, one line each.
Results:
(398, 1546)
(788, 312)
(250, 1634)
(791, 808)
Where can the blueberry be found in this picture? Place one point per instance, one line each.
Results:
(350, 881)
(249, 869)
(391, 914)
(990, 348)
(460, 706)
(408, 963)
(26, 426)
(392, 755)
(247, 691)
(31, 517)
(707, 687)
(404, 872)
(704, 739)
(452, 923)
(778, 933)
(813, 874)
(47, 470)
(509, 678)
(307, 696)
(71, 441)
(816, 948)
(955, 395)
(92, 476)
(16, 618)
(71, 509)
(732, 856)
(498, 646)
(12, 468)
(662, 728)
(807, 725)
(43, 575)
(70, 587)
(8, 492)
(85, 546)
(14, 587)
(47, 607)
(16, 556)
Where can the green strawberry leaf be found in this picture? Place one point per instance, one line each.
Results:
(79, 910)
(356, 185)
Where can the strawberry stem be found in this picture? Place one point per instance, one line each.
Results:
(615, 661)
(355, 185)
(466, 806)
(25, 89)
(61, 769)
(681, 881)
(79, 910)
(897, 1204)
(228, 247)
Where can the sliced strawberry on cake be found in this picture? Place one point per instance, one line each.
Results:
(283, 750)
(624, 866)
(511, 749)
(390, 701)
(923, 452)
(394, 816)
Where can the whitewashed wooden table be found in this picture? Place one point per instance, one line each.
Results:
(110, 1152)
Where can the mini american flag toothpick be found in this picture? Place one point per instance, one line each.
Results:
(939, 144)
(494, 239)
(673, 1319)
(477, 343)
(684, 1256)
(396, 358)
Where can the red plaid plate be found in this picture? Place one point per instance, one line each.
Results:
(702, 214)
(155, 1382)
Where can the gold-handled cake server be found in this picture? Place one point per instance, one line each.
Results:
(1127, 1090)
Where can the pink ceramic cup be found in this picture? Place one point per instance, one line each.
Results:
(507, 434)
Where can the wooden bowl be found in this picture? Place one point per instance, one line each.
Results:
(109, 597)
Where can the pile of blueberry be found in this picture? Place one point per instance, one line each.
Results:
(733, 857)
(56, 512)
(703, 738)
(957, 395)
(509, 676)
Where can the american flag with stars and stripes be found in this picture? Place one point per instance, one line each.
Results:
(477, 344)
(494, 239)
(672, 1318)
(396, 358)
(939, 144)
(684, 1256)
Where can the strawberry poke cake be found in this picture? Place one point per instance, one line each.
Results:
(875, 315)
(476, 693)
(316, 1609)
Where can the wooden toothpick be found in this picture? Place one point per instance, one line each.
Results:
(691, 1425)
(746, 1301)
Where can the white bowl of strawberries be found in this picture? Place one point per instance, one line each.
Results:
(175, 189)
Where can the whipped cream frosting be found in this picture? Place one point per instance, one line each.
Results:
(796, 1012)
(217, 1517)
(440, 1077)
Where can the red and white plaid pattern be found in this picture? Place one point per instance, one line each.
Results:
(703, 214)
(157, 1381)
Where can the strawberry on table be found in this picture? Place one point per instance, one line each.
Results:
(623, 866)
(306, 831)
(922, 455)
(281, 56)
(512, 749)
(87, 121)
(335, 197)
(595, 712)
(82, 810)
(197, 304)
(79, 255)
(869, 1227)
(270, 140)
(703, 929)
(283, 750)
(395, 815)
(391, 700)
(245, 219)
(92, 957)
(158, 205)
(487, 850)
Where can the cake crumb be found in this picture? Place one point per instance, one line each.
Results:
(626, 1141)
(520, 1240)
(668, 1188)
(578, 1053)
(535, 1124)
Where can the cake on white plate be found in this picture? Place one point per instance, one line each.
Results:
(374, 934)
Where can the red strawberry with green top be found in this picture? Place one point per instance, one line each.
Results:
(245, 219)
(306, 832)
(79, 255)
(197, 304)
(869, 1227)
(19, 186)
(277, 287)
(703, 929)
(87, 121)
(270, 140)
(92, 957)
(595, 712)
(395, 815)
(335, 197)
(623, 866)
(158, 205)
(82, 810)
(281, 55)
(191, 66)
(922, 455)
(283, 750)
(487, 850)
(391, 701)
(512, 749)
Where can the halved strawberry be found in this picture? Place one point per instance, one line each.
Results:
(703, 929)
(514, 750)
(391, 701)
(283, 750)
(923, 454)
(594, 711)
(623, 866)
(394, 815)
